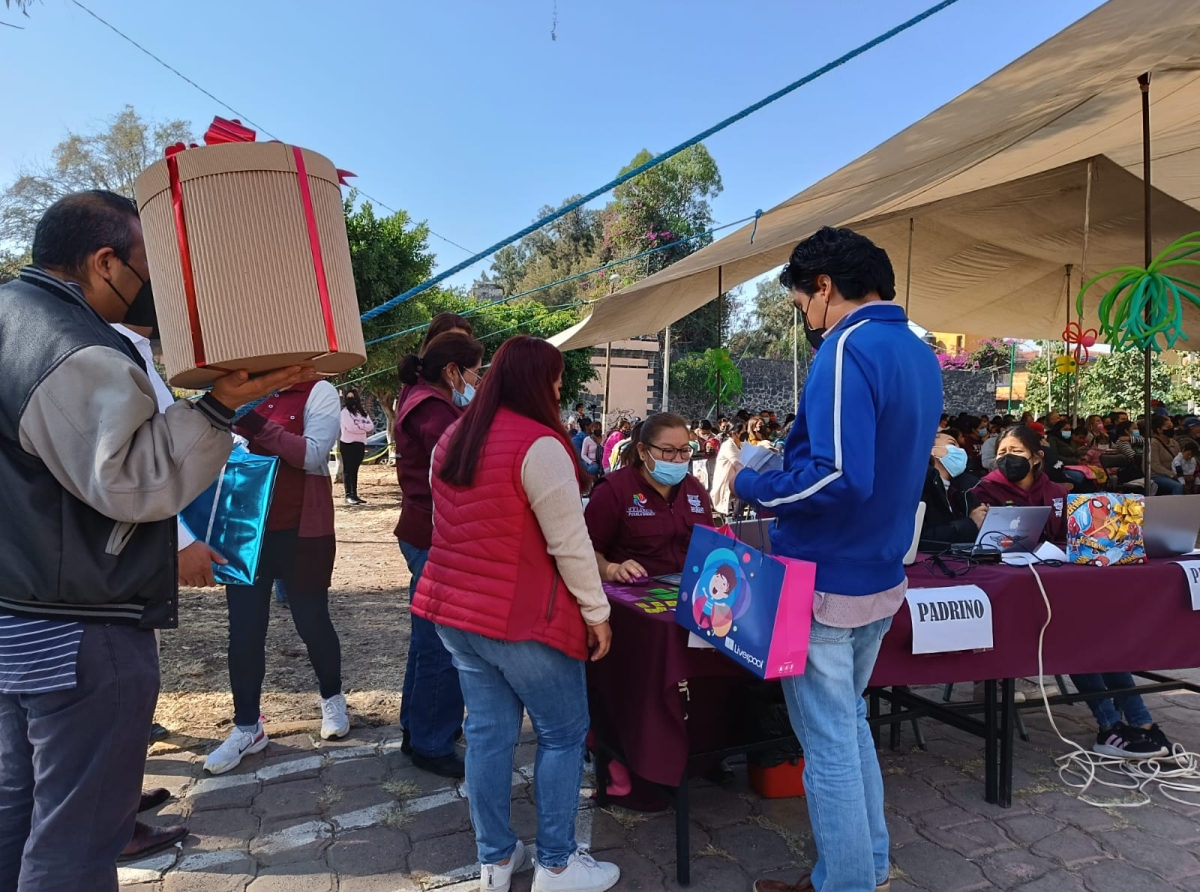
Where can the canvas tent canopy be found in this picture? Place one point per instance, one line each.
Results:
(1025, 129)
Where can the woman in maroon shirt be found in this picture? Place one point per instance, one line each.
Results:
(438, 384)
(641, 517)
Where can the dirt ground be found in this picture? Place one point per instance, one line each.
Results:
(369, 606)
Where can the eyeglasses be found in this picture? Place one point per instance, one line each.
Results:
(670, 453)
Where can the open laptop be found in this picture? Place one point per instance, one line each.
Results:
(1171, 525)
(1011, 528)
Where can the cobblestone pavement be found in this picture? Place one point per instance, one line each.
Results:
(355, 816)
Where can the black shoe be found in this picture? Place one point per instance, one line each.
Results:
(1155, 735)
(153, 799)
(450, 766)
(1125, 742)
(358, 501)
(405, 742)
(721, 774)
(147, 840)
(158, 732)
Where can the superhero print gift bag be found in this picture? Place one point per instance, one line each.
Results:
(1104, 529)
(753, 608)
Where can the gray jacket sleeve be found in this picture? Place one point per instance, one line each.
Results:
(94, 422)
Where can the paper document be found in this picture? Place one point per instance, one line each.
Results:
(756, 458)
(953, 618)
(1047, 551)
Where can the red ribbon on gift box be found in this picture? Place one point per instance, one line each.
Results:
(221, 131)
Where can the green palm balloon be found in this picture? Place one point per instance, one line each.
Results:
(1124, 320)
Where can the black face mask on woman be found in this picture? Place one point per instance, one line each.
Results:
(1014, 467)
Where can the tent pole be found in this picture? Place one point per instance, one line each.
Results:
(795, 358)
(1087, 227)
(1066, 348)
(908, 269)
(1144, 86)
(607, 379)
(720, 333)
(666, 394)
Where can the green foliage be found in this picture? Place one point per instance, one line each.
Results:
(723, 379)
(768, 329)
(109, 159)
(10, 265)
(991, 354)
(661, 206)
(1114, 381)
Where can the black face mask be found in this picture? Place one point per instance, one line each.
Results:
(815, 336)
(140, 311)
(1014, 467)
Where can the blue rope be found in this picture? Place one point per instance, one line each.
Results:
(754, 231)
(655, 161)
(472, 311)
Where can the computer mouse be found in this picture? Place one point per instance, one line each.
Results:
(640, 580)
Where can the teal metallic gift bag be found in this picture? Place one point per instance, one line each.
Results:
(231, 515)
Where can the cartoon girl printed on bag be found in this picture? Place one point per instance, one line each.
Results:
(722, 594)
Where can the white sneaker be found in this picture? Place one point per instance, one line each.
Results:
(583, 874)
(241, 742)
(335, 721)
(498, 877)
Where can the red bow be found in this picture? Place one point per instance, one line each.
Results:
(223, 130)
(1075, 334)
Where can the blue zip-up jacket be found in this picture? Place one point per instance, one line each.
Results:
(856, 459)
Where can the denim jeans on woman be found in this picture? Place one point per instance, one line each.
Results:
(431, 705)
(842, 780)
(1109, 710)
(498, 679)
(1167, 486)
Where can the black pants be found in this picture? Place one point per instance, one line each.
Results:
(71, 765)
(250, 611)
(352, 457)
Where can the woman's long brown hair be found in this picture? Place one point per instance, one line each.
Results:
(521, 379)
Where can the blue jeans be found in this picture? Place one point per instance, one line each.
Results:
(498, 679)
(841, 771)
(71, 765)
(1108, 711)
(592, 468)
(431, 706)
(1167, 486)
(281, 596)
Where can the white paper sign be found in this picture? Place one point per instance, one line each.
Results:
(958, 617)
(1191, 572)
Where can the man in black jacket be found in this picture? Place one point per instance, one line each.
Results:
(952, 514)
(91, 478)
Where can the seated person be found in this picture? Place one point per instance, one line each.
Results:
(1135, 737)
(952, 514)
(1184, 464)
(1020, 480)
(641, 517)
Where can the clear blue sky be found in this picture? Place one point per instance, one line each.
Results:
(466, 114)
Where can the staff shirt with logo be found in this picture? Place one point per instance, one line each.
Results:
(628, 520)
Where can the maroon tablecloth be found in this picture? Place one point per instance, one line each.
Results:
(1111, 619)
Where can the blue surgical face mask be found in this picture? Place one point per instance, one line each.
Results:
(954, 461)
(983, 432)
(1066, 435)
(461, 399)
(669, 473)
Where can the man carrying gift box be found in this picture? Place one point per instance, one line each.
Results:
(854, 466)
(92, 476)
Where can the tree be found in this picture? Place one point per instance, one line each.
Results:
(10, 265)
(1116, 381)
(568, 246)
(768, 333)
(110, 159)
(388, 256)
(1036, 394)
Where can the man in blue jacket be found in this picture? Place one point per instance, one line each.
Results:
(854, 466)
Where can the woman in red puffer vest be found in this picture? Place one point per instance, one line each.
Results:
(512, 584)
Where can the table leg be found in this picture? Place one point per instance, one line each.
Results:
(990, 757)
(683, 846)
(873, 711)
(894, 735)
(602, 762)
(1007, 721)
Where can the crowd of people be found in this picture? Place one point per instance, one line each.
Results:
(511, 523)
